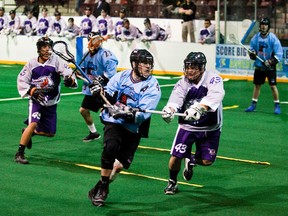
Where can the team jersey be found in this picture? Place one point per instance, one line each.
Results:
(43, 25)
(3, 22)
(144, 95)
(88, 24)
(155, 33)
(29, 25)
(130, 33)
(118, 27)
(266, 48)
(208, 34)
(14, 24)
(103, 63)
(58, 27)
(104, 25)
(209, 91)
(46, 76)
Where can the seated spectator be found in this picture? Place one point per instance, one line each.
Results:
(14, 24)
(58, 25)
(72, 29)
(207, 34)
(29, 24)
(129, 32)
(119, 23)
(88, 23)
(44, 23)
(104, 24)
(3, 20)
(153, 31)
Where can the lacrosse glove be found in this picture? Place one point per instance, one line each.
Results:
(252, 55)
(68, 81)
(36, 94)
(194, 112)
(119, 110)
(95, 88)
(169, 114)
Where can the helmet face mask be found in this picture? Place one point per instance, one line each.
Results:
(95, 41)
(142, 63)
(194, 66)
(44, 46)
(264, 26)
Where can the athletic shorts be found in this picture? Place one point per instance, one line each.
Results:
(125, 141)
(44, 116)
(207, 144)
(260, 77)
(91, 103)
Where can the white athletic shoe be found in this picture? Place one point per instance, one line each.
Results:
(117, 167)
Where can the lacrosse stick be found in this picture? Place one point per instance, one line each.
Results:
(161, 112)
(235, 41)
(74, 71)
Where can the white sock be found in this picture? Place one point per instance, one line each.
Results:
(92, 128)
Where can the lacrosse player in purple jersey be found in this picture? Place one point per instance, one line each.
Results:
(267, 46)
(40, 80)
(100, 64)
(88, 23)
(129, 92)
(199, 95)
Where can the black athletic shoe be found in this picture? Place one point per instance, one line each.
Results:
(93, 191)
(20, 158)
(101, 195)
(171, 188)
(92, 136)
(188, 170)
(29, 144)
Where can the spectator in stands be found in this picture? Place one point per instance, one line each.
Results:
(104, 24)
(44, 22)
(72, 29)
(207, 34)
(188, 11)
(88, 23)
(33, 6)
(58, 25)
(29, 25)
(129, 32)
(14, 24)
(78, 7)
(3, 20)
(119, 23)
(153, 31)
(99, 6)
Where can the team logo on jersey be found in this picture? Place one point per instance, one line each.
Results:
(43, 82)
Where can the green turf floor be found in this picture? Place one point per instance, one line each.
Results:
(63, 169)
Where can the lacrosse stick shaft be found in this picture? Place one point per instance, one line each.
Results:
(79, 64)
(250, 52)
(161, 112)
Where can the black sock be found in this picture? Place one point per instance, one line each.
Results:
(173, 175)
(105, 179)
(21, 148)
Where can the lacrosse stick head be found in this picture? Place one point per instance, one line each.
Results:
(60, 48)
(233, 39)
(44, 45)
(95, 41)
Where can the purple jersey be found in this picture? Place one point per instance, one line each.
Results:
(3, 22)
(88, 25)
(46, 76)
(43, 25)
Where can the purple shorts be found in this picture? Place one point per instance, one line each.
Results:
(46, 117)
(207, 144)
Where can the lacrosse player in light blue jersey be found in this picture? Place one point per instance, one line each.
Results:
(40, 81)
(266, 46)
(100, 64)
(129, 92)
(199, 95)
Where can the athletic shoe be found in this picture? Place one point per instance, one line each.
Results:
(29, 144)
(277, 109)
(20, 158)
(101, 195)
(92, 136)
(171, 188)
(251, 108)
(188, 170)
(117, 168)
(93, 191)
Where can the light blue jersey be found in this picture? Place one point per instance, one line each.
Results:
(142, 94)
(103, 63)
(266, 48)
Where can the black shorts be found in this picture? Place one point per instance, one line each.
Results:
(261, 75)
(126, 142)
(92, 103)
